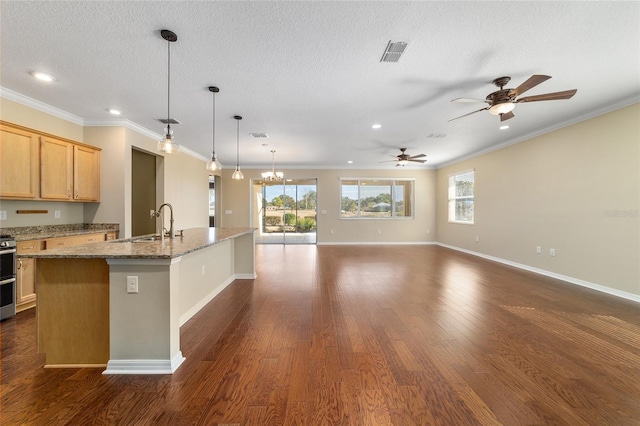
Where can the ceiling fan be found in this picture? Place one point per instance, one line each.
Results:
(501, 102)
(402, 159)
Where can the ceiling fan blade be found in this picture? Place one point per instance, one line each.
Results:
(468, 100)
(533, 81)
(417, 161)
(506, 116)
(481, 109)
(418, 156)
(567, 94)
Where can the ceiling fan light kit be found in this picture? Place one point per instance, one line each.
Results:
(167, 145)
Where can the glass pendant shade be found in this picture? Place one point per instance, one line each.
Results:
(214, 165)
(166, 144)
(237, 175)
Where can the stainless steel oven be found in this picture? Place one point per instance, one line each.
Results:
(7, 277)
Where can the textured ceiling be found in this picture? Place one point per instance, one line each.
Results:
(309, 73)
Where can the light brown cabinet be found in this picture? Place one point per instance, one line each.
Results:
(75, 240)
(19, 163)
(39, 166)
(25, 277)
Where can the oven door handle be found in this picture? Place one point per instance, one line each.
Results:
(7, 251)
(10, 280)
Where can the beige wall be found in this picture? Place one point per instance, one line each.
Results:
(558, 191)
(235, 196)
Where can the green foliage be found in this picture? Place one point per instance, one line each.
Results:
(284, 200)
(289, 219)
(273, 220)
(306, 224)
(349, 205)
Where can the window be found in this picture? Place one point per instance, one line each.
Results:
(461, 197)
(376, 198)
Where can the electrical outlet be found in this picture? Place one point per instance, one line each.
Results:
(228, 211)
(552, 252)
(538, 249)
(202, 269)
(379, 231)
(3, 215)
(56, 214)
(477, 238)
(132, 284)
(332, 231)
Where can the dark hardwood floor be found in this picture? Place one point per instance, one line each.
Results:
(362, 335)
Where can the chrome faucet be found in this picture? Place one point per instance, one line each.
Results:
(158, 213)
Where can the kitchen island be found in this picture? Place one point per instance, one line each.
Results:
(121, 303)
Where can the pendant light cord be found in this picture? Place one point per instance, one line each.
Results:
(168, 87)
(213, 138)
(237, 144)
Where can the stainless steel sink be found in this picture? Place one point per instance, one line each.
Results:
(147, 239)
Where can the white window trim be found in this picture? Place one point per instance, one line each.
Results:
(461, 222)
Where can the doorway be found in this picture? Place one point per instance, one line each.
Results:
(143, 192)
(285, 212)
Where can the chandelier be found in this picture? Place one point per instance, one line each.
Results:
(272, 175)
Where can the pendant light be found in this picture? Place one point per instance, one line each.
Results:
(272, 175)
(166, 144)
(214, 164)
(237, 175)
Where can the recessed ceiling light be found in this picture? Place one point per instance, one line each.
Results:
(115, 111)
(504, 127)
(376, 126)
(350, 161)
(43, 76)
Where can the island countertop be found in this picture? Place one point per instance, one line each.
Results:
(132, 248)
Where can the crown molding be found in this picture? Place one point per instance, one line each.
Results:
(40, 106)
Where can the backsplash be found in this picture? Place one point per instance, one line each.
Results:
(47, 229)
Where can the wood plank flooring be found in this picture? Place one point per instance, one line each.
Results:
(362, 335)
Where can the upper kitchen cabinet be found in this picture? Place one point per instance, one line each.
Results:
(19, 163)
(40, 166)
(56, 169)
(86, 173)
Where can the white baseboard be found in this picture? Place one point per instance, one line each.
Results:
(144, 366)
(245, 276)
(208, 298)
(375, 243)
(571, 280)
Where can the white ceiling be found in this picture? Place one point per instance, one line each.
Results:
(309, 73)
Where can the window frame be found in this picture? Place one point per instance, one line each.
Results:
(372, 181)
(452, 198)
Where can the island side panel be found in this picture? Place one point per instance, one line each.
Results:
(245, 256)
(141, 323)
(204, 274)
(73, 311)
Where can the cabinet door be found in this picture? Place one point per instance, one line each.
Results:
(19, 159)
(56, 170)
(86, 173)
(26, 283)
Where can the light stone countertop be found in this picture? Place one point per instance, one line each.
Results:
(192, 240)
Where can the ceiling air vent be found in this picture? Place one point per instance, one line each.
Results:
(394, 50)
(259, 135)
(437, 135)
(169, 121)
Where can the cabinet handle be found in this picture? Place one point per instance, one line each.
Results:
(19, 264)
(28, 248)
(76, 194)
(68, 193)
(92, 239)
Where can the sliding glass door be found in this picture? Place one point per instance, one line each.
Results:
(285, 211)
